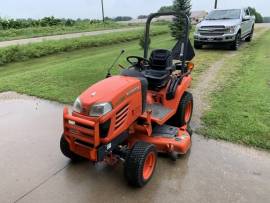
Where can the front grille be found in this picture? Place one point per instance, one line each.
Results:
(83, 127)
(84, 143)
(211, 34)
(213, 30)
(214, 27)
(121, 116)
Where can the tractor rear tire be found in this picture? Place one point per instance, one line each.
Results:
(64, 146)
(184, 112)
(140, 164)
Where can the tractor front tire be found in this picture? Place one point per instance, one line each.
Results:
(64, 146)
(140, 164)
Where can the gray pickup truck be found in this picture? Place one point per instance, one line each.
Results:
(228, 26)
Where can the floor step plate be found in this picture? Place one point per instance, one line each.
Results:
(165, 131)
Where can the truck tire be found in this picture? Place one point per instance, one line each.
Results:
(140, 164)
(236, 43)
(249, 38)
(197, 45)
(64, 146)
(184, 111)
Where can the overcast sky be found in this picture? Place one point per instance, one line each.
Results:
(92, 8)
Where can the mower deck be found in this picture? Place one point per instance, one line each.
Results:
(167, 139)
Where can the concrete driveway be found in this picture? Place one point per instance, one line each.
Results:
(33, 169)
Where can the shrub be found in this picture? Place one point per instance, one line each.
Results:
(36, 50)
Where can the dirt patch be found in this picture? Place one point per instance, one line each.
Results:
(207, 84)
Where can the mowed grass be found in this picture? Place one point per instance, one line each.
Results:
(240, 108)
(62, 77)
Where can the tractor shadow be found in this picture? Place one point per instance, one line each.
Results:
(110, 179)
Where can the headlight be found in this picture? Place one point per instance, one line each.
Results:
(77, 107)
(100, 109)
(232, 29)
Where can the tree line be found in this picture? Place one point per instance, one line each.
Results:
(6, 24)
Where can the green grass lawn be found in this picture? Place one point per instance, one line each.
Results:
(240, 108)
(62, 77)
(13, 34)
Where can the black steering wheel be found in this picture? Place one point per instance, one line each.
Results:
(138, 61)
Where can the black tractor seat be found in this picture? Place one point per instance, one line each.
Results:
(160, 69)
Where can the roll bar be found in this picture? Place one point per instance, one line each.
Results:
(184, 42)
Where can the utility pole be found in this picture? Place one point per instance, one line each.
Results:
(103, 18)
(216, 1)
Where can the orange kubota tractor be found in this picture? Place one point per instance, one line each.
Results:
(135, 115)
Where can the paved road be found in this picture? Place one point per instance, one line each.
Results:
(64, 36)
(33, 169)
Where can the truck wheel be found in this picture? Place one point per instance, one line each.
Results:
(249, 38)
(197, 45)
(236, 43)
(140, 164)
(184, 112)
(64, 146)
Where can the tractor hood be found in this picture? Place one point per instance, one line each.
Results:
(112, 90)
(226, 23)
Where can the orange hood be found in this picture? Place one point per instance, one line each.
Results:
(113, 90)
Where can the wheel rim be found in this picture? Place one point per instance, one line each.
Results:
(188, 111)
(149, 165)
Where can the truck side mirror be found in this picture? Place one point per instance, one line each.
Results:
(246, 18)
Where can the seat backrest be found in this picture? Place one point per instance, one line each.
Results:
(144, 84)
(161, 59)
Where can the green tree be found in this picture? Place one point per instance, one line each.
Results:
(177, 27)
(254, 12)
